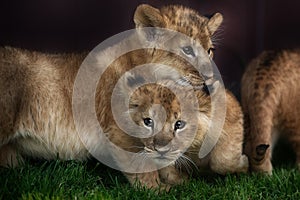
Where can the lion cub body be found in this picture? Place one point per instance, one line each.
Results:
(226, 156)
(35, 104)
(36, 90)
(270, 99)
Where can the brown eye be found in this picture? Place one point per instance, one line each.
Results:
(179, 125)
(148, 122)
(210, 51)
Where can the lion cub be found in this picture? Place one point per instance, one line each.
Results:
(182, 121)
(270, 100)
(36, 89)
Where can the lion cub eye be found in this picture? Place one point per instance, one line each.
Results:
(148, 122)
(210, 51)
(188, 50)
(179, 125)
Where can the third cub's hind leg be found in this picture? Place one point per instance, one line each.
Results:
(258, 137)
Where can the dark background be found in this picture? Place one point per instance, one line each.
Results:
(250, 26)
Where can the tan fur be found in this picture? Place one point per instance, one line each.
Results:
(36, 90)
(168, 138)
(270, 99)
(226, 156)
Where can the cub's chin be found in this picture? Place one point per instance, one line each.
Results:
(165, 160)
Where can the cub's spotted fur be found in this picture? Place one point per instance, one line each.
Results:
(270, 99)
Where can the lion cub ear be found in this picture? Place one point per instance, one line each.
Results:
(130, 81)
(148, 16)
(214, 22)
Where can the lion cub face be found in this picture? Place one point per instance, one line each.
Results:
(190, 37)
(167, 121)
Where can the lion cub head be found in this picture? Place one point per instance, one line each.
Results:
(187, 46)
(183, 20)
(165, 118)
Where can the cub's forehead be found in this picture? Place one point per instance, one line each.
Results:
(182, 14)
(167, 93)
(184, 20)
(157, 92)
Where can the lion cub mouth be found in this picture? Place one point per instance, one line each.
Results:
(163, 154)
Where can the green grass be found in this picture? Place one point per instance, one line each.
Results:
(74, 180)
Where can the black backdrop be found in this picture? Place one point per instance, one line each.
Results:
(77, 25)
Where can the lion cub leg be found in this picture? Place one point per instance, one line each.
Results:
(260, 138)
(227, 156)
(172, 176)
(163, 178)
(9, 156)
(149, 180)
